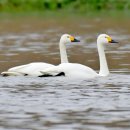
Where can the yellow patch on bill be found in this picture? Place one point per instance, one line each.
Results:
(109, 39)
(71, 38)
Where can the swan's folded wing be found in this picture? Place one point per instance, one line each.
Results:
(32, 69)
(15, 71)
(18, 68)
(51, 71)
(31, 66)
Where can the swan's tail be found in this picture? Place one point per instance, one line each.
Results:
(12, 73)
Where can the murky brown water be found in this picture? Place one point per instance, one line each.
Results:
(28, 103)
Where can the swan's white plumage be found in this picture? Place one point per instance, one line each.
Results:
(71, 70)
(74, 70)
(33, 69)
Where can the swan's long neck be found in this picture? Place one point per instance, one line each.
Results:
(63, 54)
(104, 71)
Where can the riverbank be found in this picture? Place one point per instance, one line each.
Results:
(117, 15)
(86, 7)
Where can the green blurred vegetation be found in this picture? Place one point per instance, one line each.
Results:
(82, 6)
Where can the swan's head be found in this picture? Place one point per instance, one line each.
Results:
(66, 38)
(104, 39)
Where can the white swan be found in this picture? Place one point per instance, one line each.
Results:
(81, 71)
(33, 69)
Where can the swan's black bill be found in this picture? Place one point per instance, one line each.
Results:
(113, 41)
(75, 40)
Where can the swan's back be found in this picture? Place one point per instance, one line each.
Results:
(75, 70)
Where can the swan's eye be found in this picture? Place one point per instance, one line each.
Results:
(68, 37)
